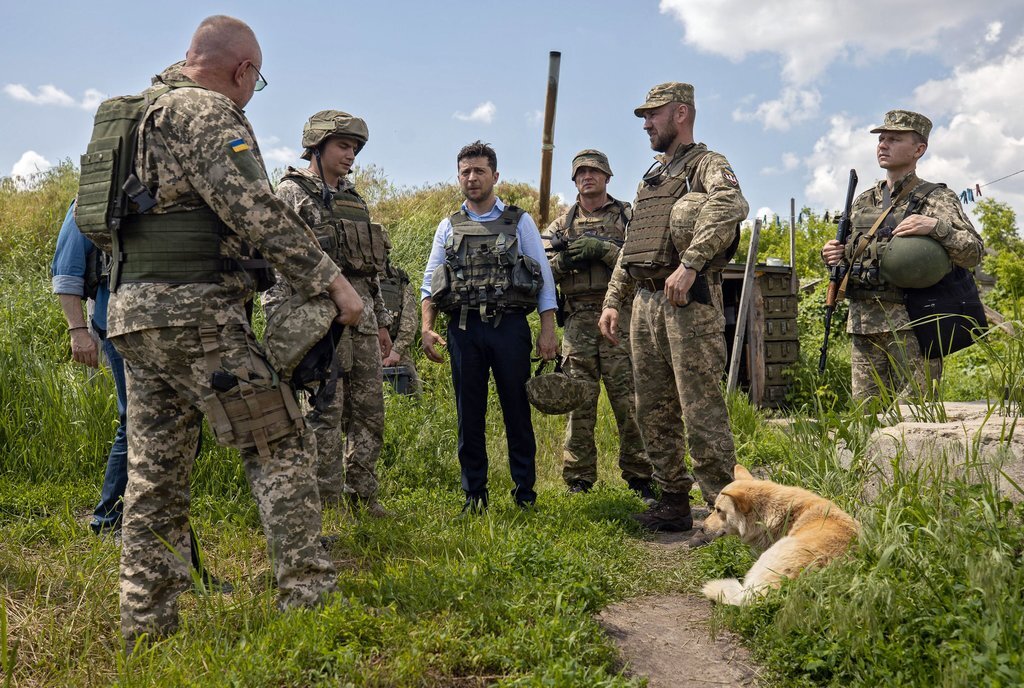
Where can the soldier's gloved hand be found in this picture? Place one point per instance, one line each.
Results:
(563, 262)
(587, 248)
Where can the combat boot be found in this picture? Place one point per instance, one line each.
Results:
(671, 514)
(644, 488)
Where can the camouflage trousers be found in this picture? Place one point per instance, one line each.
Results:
(350, 432)
(893, 359)
(678, 373)
(170, 390)
(591, 357)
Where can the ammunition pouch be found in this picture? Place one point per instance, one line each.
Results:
(359, 248)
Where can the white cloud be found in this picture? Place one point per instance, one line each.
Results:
(847, 145)
(49, 94)
(279, 155)
(482, 113)
(790, 161)
(808, 35)
(535, 118)
(992, 32)
(793, 106)
(28, 166)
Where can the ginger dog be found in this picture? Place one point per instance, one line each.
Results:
(793, 527)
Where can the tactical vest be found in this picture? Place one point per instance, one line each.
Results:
(865, 275)
(392, 290)
(593, 279)
(483, 269)
(357, 245)
(174, 248)
(649, 252)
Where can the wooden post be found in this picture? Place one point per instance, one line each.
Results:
(548, 145)
(741, 316)
(794, 281)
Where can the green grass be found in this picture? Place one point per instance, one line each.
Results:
(930, 596)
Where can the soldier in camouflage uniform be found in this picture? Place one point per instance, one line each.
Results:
(400, 300)
(904, 205)
(583, 245)
(685, 225)
(187, 341)
(329, 204)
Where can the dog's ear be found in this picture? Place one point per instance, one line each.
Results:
(740, 499)
(741, 473)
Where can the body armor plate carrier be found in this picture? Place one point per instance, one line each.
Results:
(484, 270)
(591, 281)
(392, 290)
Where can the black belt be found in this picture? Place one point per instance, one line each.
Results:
(699, 292)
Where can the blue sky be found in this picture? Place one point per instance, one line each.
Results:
(787, 90)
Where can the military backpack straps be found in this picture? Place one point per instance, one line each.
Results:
(484, 270)
(356, 244)
(649, 251)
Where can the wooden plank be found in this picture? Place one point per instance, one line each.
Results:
(755, 346)
(741, 314)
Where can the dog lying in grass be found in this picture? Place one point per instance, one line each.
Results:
(792, 527)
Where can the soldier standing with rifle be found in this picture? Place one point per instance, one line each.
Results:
(583, 244)
(900, 206)
(685, 228)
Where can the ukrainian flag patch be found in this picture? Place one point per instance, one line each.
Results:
(238, 145)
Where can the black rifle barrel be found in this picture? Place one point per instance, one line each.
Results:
(837, 271)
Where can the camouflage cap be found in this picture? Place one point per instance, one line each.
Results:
(590, 157)
(662, 94)
(332, 123)
(905, 120)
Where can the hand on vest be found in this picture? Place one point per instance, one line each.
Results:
(915, 225)
(587, 248)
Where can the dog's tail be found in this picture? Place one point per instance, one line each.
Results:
(725, 590)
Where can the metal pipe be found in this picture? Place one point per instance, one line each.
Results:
(548, 144)
(744, 307)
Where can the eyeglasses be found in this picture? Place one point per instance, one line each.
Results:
(261, 83)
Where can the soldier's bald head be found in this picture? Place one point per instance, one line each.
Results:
(222, 42)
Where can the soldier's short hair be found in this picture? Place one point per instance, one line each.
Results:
(479, 149)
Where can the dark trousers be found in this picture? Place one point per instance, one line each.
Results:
(476, 352)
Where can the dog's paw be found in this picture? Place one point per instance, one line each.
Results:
(724, 591)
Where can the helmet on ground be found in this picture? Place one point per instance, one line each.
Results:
(556, 393)
(913, 262)
(328, 123)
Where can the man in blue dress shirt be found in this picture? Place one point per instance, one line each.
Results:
(487, 270)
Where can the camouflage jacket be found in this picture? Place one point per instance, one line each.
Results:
(312, 212)
(701, 230)
(197, 150)
(954, 231)
(408, 322)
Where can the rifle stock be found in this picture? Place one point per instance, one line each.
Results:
(839, 270)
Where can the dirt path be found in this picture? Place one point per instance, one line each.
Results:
(668, 639)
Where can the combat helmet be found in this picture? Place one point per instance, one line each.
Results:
(301, 340)
(332, 123)
(556, 393)
(913, 262)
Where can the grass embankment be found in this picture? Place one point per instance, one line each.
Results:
(930, 597)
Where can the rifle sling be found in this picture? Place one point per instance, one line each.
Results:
(863, 244)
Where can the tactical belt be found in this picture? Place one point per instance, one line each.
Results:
(699, 292)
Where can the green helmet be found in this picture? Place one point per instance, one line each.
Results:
(556, 393)
(913, 262)
(332, 123)
(296, 328)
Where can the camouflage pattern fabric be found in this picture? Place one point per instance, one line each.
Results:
(895, 359)
(198, 150)
(679, 352)
(678, 365)
(663, 94)
(408, 326)
(357, 412)
(876, 317)
(349, 464)
(905, 120)
(607, 215)
(591, 357)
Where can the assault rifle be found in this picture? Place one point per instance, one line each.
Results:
(560, 242)
(839, 269)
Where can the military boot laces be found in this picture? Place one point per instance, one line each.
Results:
(671, 514)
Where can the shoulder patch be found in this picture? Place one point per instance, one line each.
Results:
(730, 176)
(238, 145)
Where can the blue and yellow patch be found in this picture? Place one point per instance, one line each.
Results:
(238, 145)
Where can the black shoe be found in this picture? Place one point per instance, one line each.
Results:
(527, 505)
(580, 486)
(671, 514)
(212, 584)
(474, 505)
(644, 489)
(327, 541)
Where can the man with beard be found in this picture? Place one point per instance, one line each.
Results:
(685, 228)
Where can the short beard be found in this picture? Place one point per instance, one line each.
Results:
(662, 141)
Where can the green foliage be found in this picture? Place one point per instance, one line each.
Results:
(812, 232)
(1005, 253)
